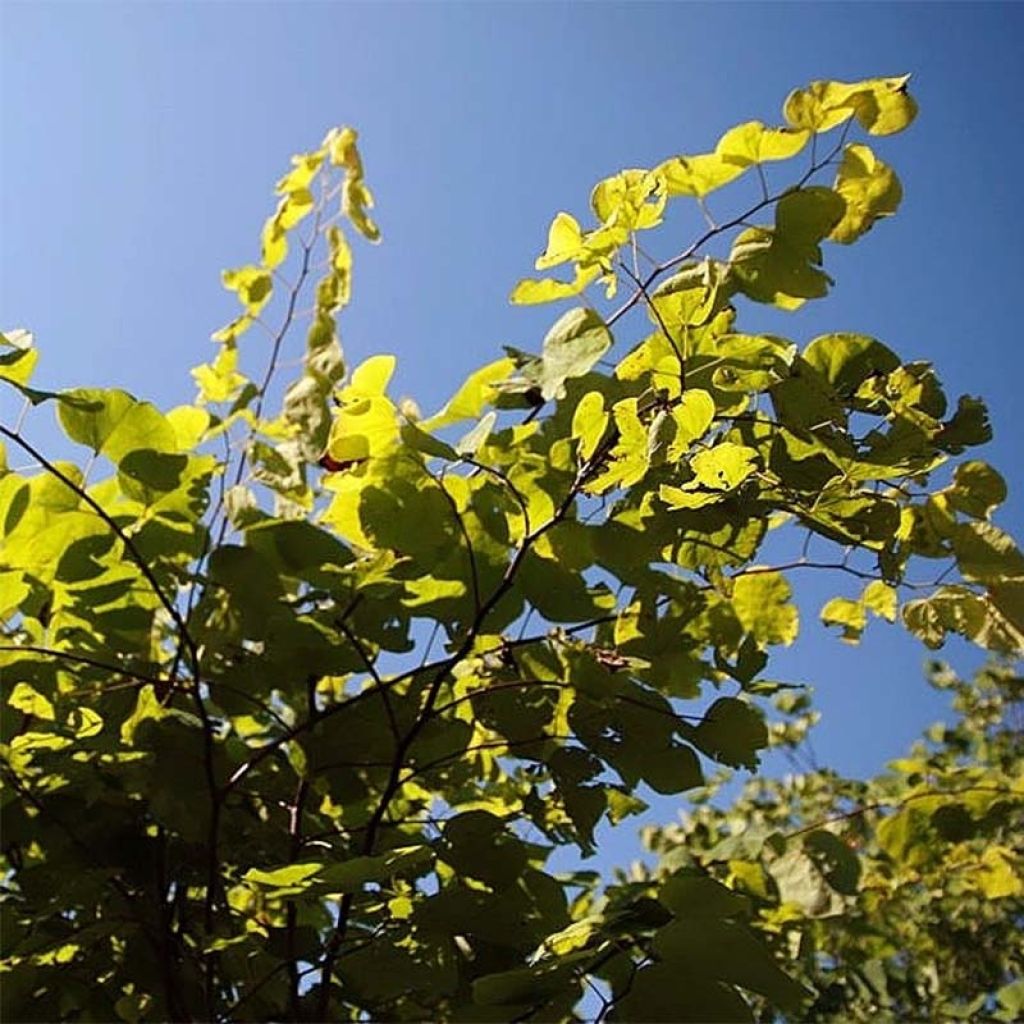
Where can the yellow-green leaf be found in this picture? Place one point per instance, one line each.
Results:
(476, 393)
(253, 286)
(753, 143)
(692, 417)
(762, 602)
(698, 175)
(564, 242)
(882, 105)
(723, 467)
(589, 421)
(28, 700)
(869, 187)
(530, 291)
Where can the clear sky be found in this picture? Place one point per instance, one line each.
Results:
(139, 143)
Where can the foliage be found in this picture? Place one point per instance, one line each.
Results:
(896, 898)
(298, 705)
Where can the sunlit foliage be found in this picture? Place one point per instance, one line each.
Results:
(301, 687)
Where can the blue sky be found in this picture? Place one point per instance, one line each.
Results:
(139, 144)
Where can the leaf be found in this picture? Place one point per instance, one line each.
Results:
(762, 604)
(781, 265)
(882, 105)
(836, 861)
(716, 471)
(473, 396)
(525, 986)
(571, 349)
(147, 707)
(294, 877)
(30, 702)
(999, 876)
(976, 489)
(985, 553)
(847, 360)
(471, 443)
(565, 241)
(670, 993)
(589, 422)
(870, 189)
(732, 731)
(631, 201)
(253, 286)
(752, 143)
(18, 358)
(877, 597)
(730, 952)
(402, 862)
(426, 444)
(956, 609)
(220, 380)
(356, 198)
(529, 292)
(692, 417)
(693, 896)
(699, 175)
(801, 883)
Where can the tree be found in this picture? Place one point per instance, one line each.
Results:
(899, 897)
(297, 705)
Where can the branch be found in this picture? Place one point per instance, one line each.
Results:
(661, 323)
(379, 684)
(470, 553)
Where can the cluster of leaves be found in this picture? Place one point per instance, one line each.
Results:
(297, 706)
(896, 898)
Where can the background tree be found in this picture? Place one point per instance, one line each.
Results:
(899, 897)
(299, 703)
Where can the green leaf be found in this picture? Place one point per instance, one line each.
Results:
(426, 444)
(294, 877)
(670, 993)
(976, 489)
(782, 265)
(763, 607)
(870, 189)
(589, 422)
(402, 862)
(729, 952)
(471, 443)
(699, 175)
(836, 861)
(882, 105)
(571, 349)
(147, 708)
(565, 240)
(18, 358)
(531, 292)
(115, 424)
(253, 286)
(692, 417)
(690, 896)
(523, 987)
(732, 731)
(30, 702)
(473, 396)
(985, 553)
(852, 617)
(716, 471)
(847, 360)
(753, 143)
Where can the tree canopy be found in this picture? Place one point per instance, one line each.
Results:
(303, 687)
